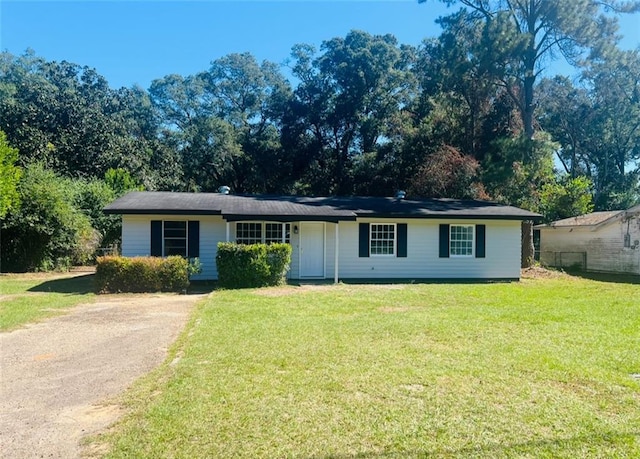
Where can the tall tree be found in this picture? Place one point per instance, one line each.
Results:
(65, 116)
(348, 99)
(597, 121)
(250, 97)
(520, 36)
(223, 124)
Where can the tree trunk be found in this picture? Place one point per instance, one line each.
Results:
(528, 250)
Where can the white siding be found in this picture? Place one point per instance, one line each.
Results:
(502, 259)
(604, 247)
(136, 238)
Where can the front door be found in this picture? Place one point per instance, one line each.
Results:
(312, 250)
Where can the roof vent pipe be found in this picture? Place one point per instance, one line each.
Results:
(400, 194)
(224, 189)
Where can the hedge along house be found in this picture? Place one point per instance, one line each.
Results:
(600, 241)
(357, 238)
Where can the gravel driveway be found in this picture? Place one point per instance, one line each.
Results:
(56, 376)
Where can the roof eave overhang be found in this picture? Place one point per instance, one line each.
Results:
(288, 218)
(445, 216)
(159, 212)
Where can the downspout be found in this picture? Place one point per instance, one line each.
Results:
(228, 231)
(336, 253)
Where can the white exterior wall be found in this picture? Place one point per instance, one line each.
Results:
(136, 238)
(502, 260)
(604, 247)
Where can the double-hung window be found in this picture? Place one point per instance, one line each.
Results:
(262, 232)
(175, 238)
(461, 240)
(382, 239)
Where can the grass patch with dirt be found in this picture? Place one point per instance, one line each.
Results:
(548, 367)
(26, 298)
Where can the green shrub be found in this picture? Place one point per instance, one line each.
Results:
(255, 265)
(141, 274)
(45, 231)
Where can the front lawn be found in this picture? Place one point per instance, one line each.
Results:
(541, 368)
(26, 298)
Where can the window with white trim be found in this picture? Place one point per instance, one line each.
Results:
(461, 240)
(277, 232)
(382, 239)
(174, 235)
(248, 233)
(262, 232)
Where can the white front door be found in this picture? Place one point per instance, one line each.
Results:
(312, 250)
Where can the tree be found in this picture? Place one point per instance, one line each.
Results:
(519, 37)
(66, 117)
(9, 176)
(568, 197)
(446, 173)
(91, 196)
(457, 93)
(597, 122)
(346, 103)
(46, 231)
(251, 97)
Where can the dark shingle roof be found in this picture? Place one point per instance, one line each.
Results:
(291, 208)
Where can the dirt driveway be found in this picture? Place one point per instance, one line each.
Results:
(57, 376)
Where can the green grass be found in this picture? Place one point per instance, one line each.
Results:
(32, 297)
(541, 368)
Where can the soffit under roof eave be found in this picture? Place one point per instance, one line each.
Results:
(287, 218)
(447, 216)
(159, 212)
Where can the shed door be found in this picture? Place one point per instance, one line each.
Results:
(312, 250)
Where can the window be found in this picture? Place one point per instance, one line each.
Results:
(248, 233)
(461, 241)
(277, 232)
(383, 239)
(175, 238)
(258, 232)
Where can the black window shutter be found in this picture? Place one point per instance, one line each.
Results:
(194, 239)
(156, 238)
(480, 240)
(364, 240)
(444, 241)
(402, 240)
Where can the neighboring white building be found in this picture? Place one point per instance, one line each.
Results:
(332, 238)
(600, 241)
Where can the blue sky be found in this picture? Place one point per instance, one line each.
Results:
(134, 42)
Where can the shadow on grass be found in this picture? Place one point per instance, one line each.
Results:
(81, 285)
(198, 287)
(607, 277)
(78, 285)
